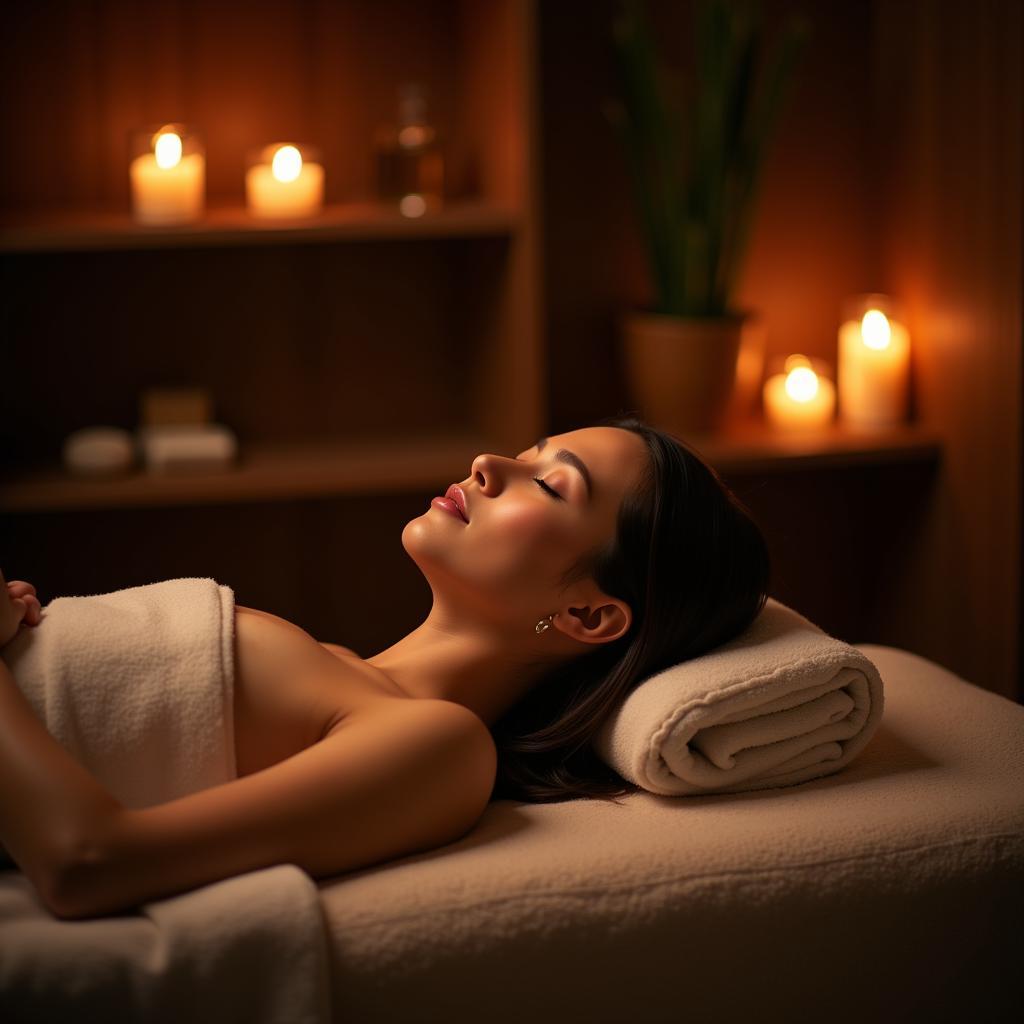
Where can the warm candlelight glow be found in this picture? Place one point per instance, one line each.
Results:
(874, 362)
(802, 384)
(167, 150)
(287, 163)
(798, 399)
(282, 181)
(168, 176)
(875, 329)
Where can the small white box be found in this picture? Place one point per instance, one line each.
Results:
(168, 449)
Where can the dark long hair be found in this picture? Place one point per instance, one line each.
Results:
(694, 568)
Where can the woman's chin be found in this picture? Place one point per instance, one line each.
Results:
(422, 539)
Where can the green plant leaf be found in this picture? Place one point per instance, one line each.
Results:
(713, 40)
(695, 289)
(762, 124)
(696, 218)
(650, 224)
(746, 46)
(657, 161)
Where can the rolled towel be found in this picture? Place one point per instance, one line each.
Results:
(137, 684)
(779, 704)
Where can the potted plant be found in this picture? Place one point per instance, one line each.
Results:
(681, 355)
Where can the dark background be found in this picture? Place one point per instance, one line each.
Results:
(896, 168)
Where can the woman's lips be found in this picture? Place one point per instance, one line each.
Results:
(449, 506)
(456, 494)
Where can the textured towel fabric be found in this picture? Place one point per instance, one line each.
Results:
(246, 950)
(781, 703)
(138, 685)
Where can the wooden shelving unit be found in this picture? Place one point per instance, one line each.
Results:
(751, 447)
(264, 472)
(361, 357)
(269, 472)
(232, 225)
(420, 334)
(302, 336)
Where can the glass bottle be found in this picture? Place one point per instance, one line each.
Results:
(409, 160)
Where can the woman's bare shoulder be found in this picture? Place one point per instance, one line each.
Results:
(341, 652)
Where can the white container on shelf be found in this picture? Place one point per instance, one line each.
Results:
(98, 451)
(187, 448)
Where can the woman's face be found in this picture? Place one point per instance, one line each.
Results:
(530, 517)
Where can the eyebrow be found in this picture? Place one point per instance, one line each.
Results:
(571, 459)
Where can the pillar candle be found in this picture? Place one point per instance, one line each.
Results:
(874, 358)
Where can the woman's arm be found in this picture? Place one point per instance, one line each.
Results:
(52, 811)
(395, 779)
(50, 805)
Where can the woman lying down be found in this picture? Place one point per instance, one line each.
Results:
(561, 579)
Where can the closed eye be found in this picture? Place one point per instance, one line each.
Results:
(550, 490)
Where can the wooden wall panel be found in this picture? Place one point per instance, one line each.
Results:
(317, 563)
(500, 81)
(347, 339)
(355, 339)
(245, 73)
(896, 167)
(949, 116)
(812, 241)
(367, 339)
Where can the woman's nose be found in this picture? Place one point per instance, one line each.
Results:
(488, 472)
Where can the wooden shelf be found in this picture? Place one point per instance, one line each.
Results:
(264, 472)
(751, 447)
(67, 230)
(284, 472)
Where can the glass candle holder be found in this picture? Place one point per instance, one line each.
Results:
(874, 362)
(167, 171)
(284, 179)
(799, 394)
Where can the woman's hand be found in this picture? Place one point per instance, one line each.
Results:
(18, 603)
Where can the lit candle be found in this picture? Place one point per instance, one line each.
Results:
(166, 181)
(874, 358)
(283, 184)
(799, 399)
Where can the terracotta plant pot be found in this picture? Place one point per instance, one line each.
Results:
(681, 371)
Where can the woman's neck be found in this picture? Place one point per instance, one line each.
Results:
(475, 667)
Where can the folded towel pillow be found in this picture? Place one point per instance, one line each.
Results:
(779, 704)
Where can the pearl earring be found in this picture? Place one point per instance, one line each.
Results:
(544, 624)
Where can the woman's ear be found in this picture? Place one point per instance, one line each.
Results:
(606, 619)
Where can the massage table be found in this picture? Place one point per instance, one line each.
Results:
(890, 890)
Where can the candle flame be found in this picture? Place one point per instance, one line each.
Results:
(287, 163)
(801, 384)
(875, 329)
(167, 148)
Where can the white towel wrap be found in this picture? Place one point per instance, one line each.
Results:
(138, 685)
